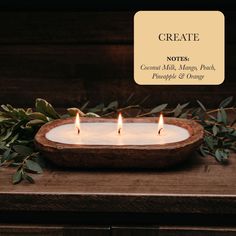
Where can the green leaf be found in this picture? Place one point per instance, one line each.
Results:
(37, 116)
(209, 142)
(3, 146)
(215, 130)
(221, 116)
(17, 177)
(203, 151)
(3, 118)
(84, 106)
(23, 150)
(6, 154)
(184, 115)
(35, 123)
(196, 111)
(227, 144)
(21, 113)
(12, 156)
(185, 105)
(129, 98)
(13, 139)
(201, 105)
(91, 114)
(7, 135)
(158, 108)
(177, 111)
(233, 132)
(98, 108)
(29, 110)
(16, 164)
(218, 155)
(112, 105)
(29, 178)
(73, 111)
(33, 166)
(46, 108)
(10, 107)
(226, 102)
(5, 108)
(230, 136)
(221, 155)
(25, 142)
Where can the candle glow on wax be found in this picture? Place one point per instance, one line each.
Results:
(160, 127)
(111, 133)
(77, 122)
(105, 133)
(119, 124)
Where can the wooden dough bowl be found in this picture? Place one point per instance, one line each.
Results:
(113, 156)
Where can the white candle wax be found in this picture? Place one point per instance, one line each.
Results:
(105, 133)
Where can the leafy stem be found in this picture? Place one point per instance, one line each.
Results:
(226, 109)
(18, 127)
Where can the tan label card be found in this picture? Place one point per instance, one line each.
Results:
(178, 47)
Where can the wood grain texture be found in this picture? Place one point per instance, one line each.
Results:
(173, 231)
(52, 230)
(121, 156)
(71, 57)
(196, 231)
(37, 27)
(199, 186)
(90, 62)
(53, 27)
(135, 231)
(75, 92)
(67, 230)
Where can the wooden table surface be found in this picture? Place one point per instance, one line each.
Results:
(200, 185)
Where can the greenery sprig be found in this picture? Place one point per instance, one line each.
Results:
(18, 127)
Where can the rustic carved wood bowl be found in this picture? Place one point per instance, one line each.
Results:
(119, 156)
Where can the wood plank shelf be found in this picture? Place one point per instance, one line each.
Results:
(199, 186)
(198, 193)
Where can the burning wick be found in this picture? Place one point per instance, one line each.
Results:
(160, 127)
(77, 123)
(119, 131)
(119, 124)
(159, 131)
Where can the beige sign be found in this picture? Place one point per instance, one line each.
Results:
(179, 47)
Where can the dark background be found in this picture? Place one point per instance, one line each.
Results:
(69, 52)
(117, 5)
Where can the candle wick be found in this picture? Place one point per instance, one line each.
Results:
(119, 131)
(159, 131)
(78, 131)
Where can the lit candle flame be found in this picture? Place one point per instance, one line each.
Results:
(160, 127)
(77, 122)
(119, 124)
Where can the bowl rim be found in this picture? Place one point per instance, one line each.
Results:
(195, 130)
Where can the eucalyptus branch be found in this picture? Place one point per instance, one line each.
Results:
(18, 127)
(226, 109)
